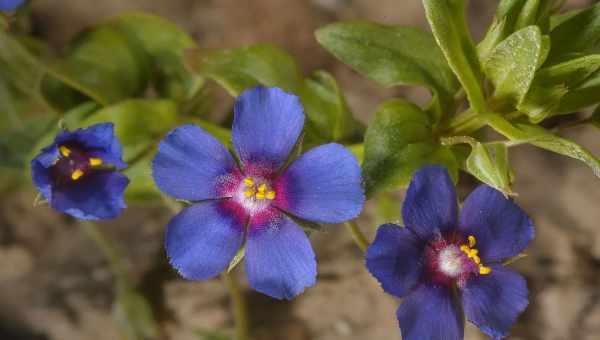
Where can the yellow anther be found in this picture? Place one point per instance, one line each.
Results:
(465, 249)
(483, 270)
(76, 174)
(249, 181)
(64, 151)
(476, 259)
(271, 195)
(262, 188)
(260, 195)
(472, 241)
(95, 161)
(249, 193)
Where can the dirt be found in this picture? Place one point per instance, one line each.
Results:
(55, 285)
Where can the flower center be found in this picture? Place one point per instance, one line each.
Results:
(257, 190)
(73, 164)
(449, 261)
(254, 194)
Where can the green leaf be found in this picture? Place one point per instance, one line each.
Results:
(449, 26)
(397, 143)
(584, 95)
(576, 35)
(134, 316)
(166, 44)
(392, 56)
(141, 188)
(242, 68)
(511, 66)
(553, 83)
(489, 163)
(327, 111)
(139, 123)
(17, 145)
(542, 138)
(101, 65)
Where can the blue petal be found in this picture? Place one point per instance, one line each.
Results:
(430, 205)
(41, 172)
(493, 302)
(190, 163)
(431, 313)
(323, 185)
(98, 140)
(280, 261)
(501, 228)
(266, 125)
(202, 239)
(10, 5)
(96, 196)
(395, 258)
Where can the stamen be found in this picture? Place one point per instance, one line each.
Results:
(483, 270)
(249, 193)
(260, 195)
(472, 254)
(271, 195)
(76, 174)
(64, 150)
(262, 188)
(95, 161)
(472, 241)
(249, 181)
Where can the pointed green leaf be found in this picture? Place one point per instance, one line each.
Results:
(449, 26)
(577, 35)
(511, 66)
(327, 110)
(392, 56)
(397, 143)
(542, 138)
(489, 163)
(239, 256)
(583, 96)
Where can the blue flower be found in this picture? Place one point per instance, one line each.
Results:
(10, 5)
(251, 204)
(447, 266)
(78, 174)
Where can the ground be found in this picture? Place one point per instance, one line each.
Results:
(55, 285)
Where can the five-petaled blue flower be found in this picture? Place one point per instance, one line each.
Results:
(447, 267)
(251, 203)
(78, 173)
(10, 5)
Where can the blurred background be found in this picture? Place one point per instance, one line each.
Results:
(56, 285)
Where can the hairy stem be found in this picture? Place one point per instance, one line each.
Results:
(238, 305)
(359, 238)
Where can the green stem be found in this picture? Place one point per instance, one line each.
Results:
(238, 305)
(359, 238)
(109, 251)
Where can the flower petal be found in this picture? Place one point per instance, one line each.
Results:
(98, 140)
(323, 185)
(190, 164)
(280, 261)
(266, 125)
(10, 5)
(98, 195)
(494, 301)
(202, 239)
(41, 172)
(395, 259)
(500, 227)
(431, 313)
(430, 205)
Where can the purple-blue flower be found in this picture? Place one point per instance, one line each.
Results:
(251, 204)
(448, 266)
(78, 173)
(10, 5)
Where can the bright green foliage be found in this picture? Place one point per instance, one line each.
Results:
(489, 163)
(392, 56)
(449, 26)
(576, 36)
(511, 66)
(398, 142)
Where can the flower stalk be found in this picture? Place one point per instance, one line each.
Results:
(359, 237)
(238, 306)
